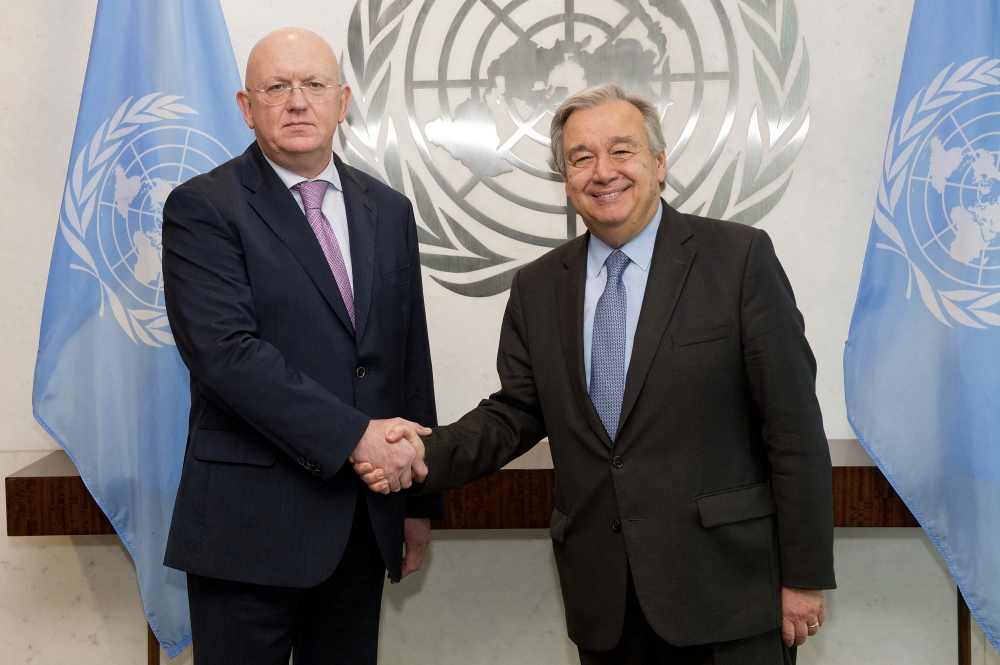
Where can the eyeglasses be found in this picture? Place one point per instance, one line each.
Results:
(278, 93)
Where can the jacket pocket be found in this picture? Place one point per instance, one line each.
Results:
(396, 276)
(736, 505)
(699, 335)
(217, 445)
(557, 528)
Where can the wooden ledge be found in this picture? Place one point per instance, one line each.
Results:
(48, 498)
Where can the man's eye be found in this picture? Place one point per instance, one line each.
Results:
(276, 87)
(580, 161)
(314, 85)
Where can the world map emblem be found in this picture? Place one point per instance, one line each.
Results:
(944, 155)
(113, 208)
(481, 80)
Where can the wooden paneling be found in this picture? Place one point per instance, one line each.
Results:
(514, 499)
(863, 497)
(48, 498)
(524, 499)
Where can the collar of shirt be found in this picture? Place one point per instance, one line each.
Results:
(639, 249)
(290, 179)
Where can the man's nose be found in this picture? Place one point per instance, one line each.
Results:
(296, 99)
(604, 168)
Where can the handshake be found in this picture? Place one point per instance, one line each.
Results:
(390, 455)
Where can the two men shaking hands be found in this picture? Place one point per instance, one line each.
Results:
(660, 353)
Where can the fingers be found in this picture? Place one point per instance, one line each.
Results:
(801, 633)
(419, 468)
(411, 562)
(787, 633)
(372, 477)
(406, 477)
(416, 539)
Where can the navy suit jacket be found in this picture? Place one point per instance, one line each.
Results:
(282, 386)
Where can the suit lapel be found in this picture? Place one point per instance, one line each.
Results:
(276, 206)
(361, 217)
(667, 272)
(569, 294)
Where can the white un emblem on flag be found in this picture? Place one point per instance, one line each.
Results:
(122, 179)
(941, 188)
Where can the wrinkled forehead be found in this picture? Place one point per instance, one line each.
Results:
(285, 60)
(604, 125)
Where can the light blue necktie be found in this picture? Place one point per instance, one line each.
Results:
(607, 352)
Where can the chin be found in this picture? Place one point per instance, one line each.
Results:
(299, 147)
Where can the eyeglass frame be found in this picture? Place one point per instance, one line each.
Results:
(263, 93)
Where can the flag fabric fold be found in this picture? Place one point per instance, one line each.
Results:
(157, 108)
(921, 364)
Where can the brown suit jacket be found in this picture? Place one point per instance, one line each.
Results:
(717, 488)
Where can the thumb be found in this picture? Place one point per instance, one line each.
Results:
(417, 427)
(396, 432)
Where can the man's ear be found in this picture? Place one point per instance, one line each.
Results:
(345, 100)
(243, 101)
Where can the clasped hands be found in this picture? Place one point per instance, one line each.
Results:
(390, 455)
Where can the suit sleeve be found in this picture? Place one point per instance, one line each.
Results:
(501, 428)
(211, 311)
(782, 374)
(418, 374)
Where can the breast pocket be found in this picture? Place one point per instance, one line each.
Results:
(396, 276)
(701, 335)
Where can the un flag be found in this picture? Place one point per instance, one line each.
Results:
(158, 108)
(921, 368)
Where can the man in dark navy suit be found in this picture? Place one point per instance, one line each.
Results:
(293, 290)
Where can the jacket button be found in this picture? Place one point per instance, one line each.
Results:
(301, 461)
(617, 461)
(616, 526)
(316, 472)
(360, 372)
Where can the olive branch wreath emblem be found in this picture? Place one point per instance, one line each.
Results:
(80, 200)
(773, 54)
(967, 307)
(773, 140)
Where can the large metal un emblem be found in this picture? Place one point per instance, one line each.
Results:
(113, 210)
(482, 79)
(939, 200)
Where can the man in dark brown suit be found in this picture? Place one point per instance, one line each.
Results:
(664, 357)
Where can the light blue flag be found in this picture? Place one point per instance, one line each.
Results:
(158, 107)
(922, 363)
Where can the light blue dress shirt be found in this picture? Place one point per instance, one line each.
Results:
(333, 206)
(639, 250)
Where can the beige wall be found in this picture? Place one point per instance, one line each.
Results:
(484, 597)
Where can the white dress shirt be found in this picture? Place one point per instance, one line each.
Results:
(639, 250)
(333, 206)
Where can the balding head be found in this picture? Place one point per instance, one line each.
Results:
(291, 43)
(295, 132)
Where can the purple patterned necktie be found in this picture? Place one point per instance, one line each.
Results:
(312, 193)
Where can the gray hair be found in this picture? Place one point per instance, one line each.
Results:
(598, 95)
